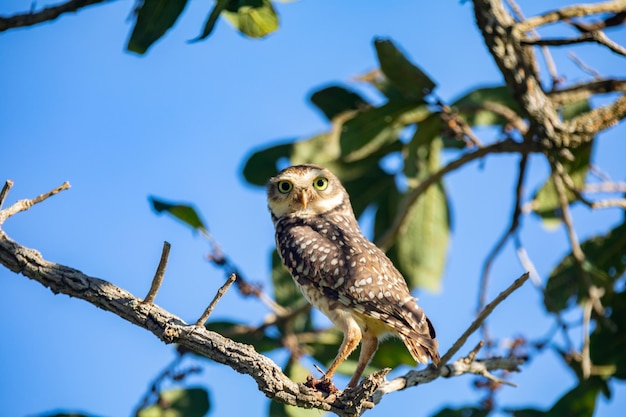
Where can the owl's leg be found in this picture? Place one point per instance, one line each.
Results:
(351, 339)
(369, 345)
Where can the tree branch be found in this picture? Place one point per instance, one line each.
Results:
(615, 6)
(47, 14)
(505, 146)
(242, 358)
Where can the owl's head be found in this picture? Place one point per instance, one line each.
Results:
(305, 191)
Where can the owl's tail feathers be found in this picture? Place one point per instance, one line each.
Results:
(422, 346)
(422, 341)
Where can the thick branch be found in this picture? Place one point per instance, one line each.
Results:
(172, 329)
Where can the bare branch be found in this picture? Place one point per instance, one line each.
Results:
(596, 36)
(484, 313)
(23, 205)
(216, 299)
(158, 275)
(594, 121)
(459, 367)
(240, 357)
(505, 146)
(586, 90)
(615, 6)
(45, 15)
(5, 190)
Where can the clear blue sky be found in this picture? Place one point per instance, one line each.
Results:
(178, 123)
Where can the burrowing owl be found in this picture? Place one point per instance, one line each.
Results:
(340, 271)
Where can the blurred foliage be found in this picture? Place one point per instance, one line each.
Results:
(187, 402)
(153, 18)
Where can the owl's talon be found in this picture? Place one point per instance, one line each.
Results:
(324, 384)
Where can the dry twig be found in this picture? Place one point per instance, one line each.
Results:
(158, 275)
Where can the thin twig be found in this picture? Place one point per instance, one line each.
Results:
(484, 313)
(579, 256)
(569, 12)
(5, 190)
(23, 205)
(515, 222)
(218, 296)
(44, 15)
(505, 146)
(459, 367)
(158, 275)
(584, 67)
(597, 37)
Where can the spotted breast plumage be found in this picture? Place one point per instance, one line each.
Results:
(341, 272)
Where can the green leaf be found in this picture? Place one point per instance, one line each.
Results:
(243, 333)
(335, 100)
(68, 415)
(261, 164)
(298, 373)
(154, 18)
(253, 18)
(546, 201)
(422, 243)
(406, 77)
(527, 412)
(471, 107)
(606, 262)
(608, 345)
(188, 402)
(212, 19)
(371, 129)
(185, 213)
(571, 110)
(578, 402)
(467, 411)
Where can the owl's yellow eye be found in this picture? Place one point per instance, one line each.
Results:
(284, 186)
(320, 183)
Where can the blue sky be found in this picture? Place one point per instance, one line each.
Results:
(178, 123)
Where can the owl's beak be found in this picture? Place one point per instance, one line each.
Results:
(302, 199)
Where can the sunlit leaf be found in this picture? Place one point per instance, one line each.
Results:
(253, 18)
(422, 243)
(188, 402)
(606, 262)
(405, 76)
(474, 106)
(154, 18)
(335, 100)
(243, 333)
(183, 212)
(371, 129)
(546, 201)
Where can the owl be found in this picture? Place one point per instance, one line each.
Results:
(341, 272)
